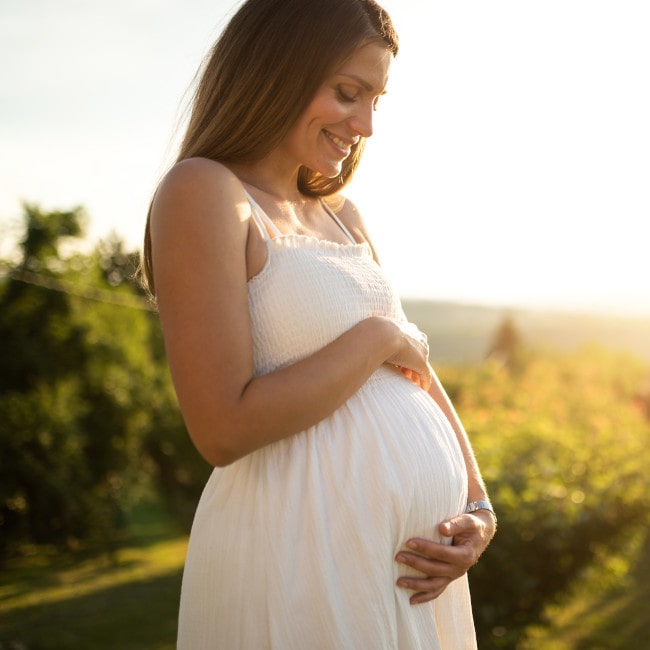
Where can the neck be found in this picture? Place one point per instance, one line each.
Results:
(267, 176)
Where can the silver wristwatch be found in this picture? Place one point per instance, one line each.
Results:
(473, 506)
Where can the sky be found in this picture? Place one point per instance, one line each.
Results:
(510, 164)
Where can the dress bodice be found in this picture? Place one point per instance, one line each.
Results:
(311, 291)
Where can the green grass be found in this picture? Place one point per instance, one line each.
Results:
(606, 610)
(128, 601)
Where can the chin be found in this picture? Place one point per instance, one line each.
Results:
(329, 168)
(329, 171)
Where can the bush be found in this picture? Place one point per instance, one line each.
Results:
(563, 446)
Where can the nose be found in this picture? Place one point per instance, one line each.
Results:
(361, 121)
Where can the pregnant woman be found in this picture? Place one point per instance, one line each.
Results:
(345, 506)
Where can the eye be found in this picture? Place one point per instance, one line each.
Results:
(347, 93)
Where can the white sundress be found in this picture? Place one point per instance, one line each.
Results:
(293, 546)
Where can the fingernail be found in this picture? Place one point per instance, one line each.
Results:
(412, 544)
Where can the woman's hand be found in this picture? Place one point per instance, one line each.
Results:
(412, 358)
(440, 564)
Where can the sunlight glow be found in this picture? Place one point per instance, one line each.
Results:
(509, 164)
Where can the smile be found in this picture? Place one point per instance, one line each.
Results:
(341, 144)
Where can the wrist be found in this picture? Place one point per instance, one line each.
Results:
(481, 504)
(387, 334)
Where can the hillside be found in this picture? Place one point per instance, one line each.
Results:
(462, 333)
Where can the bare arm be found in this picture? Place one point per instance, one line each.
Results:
(200, 228)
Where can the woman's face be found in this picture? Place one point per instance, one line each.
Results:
(340, 113)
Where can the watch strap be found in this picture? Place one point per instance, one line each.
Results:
(483, 504)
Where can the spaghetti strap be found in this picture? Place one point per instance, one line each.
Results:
(338, 221)
(269, 229)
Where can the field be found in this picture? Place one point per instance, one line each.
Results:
(127, 601)
(130, 601)
(462, 333)
(537, 426)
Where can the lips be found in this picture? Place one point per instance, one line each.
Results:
(343, 145)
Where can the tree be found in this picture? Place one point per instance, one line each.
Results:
(506, 344)
(88, 415)
(72, 364)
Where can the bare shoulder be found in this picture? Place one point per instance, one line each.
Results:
(199, 227)
(195, 187)
(197, 170)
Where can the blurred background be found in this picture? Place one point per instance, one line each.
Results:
(506, 188)
(513, 139)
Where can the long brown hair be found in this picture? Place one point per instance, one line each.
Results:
(261, 75)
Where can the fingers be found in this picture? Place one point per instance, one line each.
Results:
(439, 565)
(426, 589)
(429, 586)
(426, 379)
(457, 526)
(423, 380)
(473, 530)
(434, 559)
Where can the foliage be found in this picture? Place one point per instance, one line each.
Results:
(606, 608)
(88, 419)
(86, 404)
(563, 446)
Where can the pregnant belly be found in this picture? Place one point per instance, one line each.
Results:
(387, 463)
(386, 466)
(399, 454)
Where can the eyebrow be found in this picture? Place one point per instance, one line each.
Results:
(362, 82)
